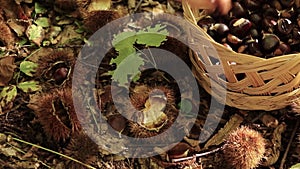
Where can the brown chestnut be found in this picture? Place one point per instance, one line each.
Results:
(233, 39)
(60, 75)
(254, 48)
(287, 3)
(282, 49)
(237, 10)
(221, 29)
(284, 26)
(240, 27)
(270, 42)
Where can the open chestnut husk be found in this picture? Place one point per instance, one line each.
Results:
(156, 110)
(55, 69)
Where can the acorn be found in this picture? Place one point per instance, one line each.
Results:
(244, 148)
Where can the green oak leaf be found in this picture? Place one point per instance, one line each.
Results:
(28, 67)
(152, 36)
(128, 69)
(29, 86)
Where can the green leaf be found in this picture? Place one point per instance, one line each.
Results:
(123, 43)
(29, 86)
(296, 166)
(152, 36)
(186, 105)
(39, 9)
(7, 95)
(128, 61)
(28, 67)
(128, 69)
(35, 33)
(43, 22)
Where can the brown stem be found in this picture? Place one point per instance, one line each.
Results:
(289, 145)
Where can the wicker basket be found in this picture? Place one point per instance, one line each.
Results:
(266, 84)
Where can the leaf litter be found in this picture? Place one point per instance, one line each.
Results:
(35, 24)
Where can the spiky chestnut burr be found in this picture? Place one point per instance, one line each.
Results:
(244, 148)
(56, 113)
(56, 68)
(96, 19)
(81, 148)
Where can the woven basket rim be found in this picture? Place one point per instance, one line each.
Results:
(275, 79)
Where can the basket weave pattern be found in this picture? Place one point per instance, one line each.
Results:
(252, 83)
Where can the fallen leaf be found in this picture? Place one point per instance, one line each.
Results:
(8, 151)
(7, 68)
(29, 86)
(39, 9)
(69, 35)
(43, 22)
(17, 28)
(6, 36)
(28, 67)
(230, 126)
(7, 96)
(97, 5)
(35, 33)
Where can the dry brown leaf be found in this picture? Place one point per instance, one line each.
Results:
(269, 120)
(273, 147)
(231, 125)
(7, 68)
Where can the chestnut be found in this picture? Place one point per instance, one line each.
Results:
(237, 10)
(256, 19)
(252, 5)
(221, 29)
(282, 49)
(269, 24)
(254, 48)
(240, 27)
(233, 39)
(284, 26)
(287, 3)
(255, 34)
(296, 33)
(270, 42)
(60, 75)
(271, 13)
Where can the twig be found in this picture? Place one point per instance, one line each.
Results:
(54, 152)
(289, 145)
(196, 155)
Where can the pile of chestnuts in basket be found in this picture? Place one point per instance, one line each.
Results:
(263, 28)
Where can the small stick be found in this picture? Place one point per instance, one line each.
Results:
(196, 155)
(289, 145)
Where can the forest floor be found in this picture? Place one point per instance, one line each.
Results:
(39, 43)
